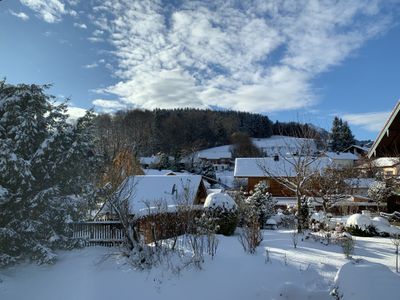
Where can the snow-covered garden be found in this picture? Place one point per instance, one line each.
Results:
(275, 271)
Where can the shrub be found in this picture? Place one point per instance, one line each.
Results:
(360, 231)
(347, 244)
(223, 210)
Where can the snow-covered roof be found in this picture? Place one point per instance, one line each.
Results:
(157, 172)
(269, 167)
(220, 152)
(149, 160)
(386, 162)
(341, 155)
(362, 148)
(359, 182)
(282, 141)
(146, 191)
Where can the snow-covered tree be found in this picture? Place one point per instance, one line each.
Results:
(261, 202)
(46, 170)
(205, 168)
(379, 192)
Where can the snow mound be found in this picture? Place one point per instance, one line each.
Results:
(366, 280)
(271, 221)
(381, 221)
(291, 291)
(318, 216)
(382, 225)
(220, 200)
(362, 221)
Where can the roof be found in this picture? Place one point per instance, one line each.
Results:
(216, 152)
(255, 167)
(385, 162)
(158, 172)
(359, 182)
(341, 155)
(387, 142)
(362, 148)
(146, 191)
(281, 140)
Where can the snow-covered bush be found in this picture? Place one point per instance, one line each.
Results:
(46, 169)
(223, 209)
(360, 225)
(347, 244)
(261, 202)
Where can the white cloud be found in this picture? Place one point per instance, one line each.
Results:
(255, 56)
(108, 105)
(80, 25)
(75, 112)
(91, 66)
(373, 121)
(21, 15)
(50, 11)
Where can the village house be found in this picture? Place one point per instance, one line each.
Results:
(360, 151)
(154, 197)
(253, 171)
(342, 159)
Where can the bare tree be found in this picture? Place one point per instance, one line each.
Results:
(295, 170)
(396, 242)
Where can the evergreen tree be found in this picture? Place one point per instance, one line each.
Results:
(205, 168)
(335, 136)
(341, 136)
(261, 202)
(46, 169)
(347, 136)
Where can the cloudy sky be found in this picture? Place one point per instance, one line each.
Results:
(292, 60)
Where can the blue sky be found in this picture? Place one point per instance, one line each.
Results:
(292, 60)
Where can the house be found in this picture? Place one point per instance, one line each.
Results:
(360, 151)
(358, 187)
(387, 144)
(159, 203)
(284, 145)
(220, 157)
(254, 170)
(387, 166)
(342, 159)
(147, 193)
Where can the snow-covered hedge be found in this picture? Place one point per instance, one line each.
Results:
(223, 210)
(363, 225)
(220, 201)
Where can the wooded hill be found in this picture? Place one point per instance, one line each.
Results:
(176, 131)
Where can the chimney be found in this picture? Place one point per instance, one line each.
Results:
(276, 157)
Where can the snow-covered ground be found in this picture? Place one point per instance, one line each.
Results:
(307, 272)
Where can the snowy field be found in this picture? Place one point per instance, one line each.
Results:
(307, 272)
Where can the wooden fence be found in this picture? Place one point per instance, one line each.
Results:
(104, 233)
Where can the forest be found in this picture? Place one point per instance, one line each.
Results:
(179, 131)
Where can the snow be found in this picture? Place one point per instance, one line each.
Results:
(280, 144)
(146, 191)
(307, 272)
(341, 155)
(318, 216)
(158, 172)
(362, 221)
(284, 167)
(386, 162)
(221, 152)
(271, 221)
(220, 200)
(354, 278)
